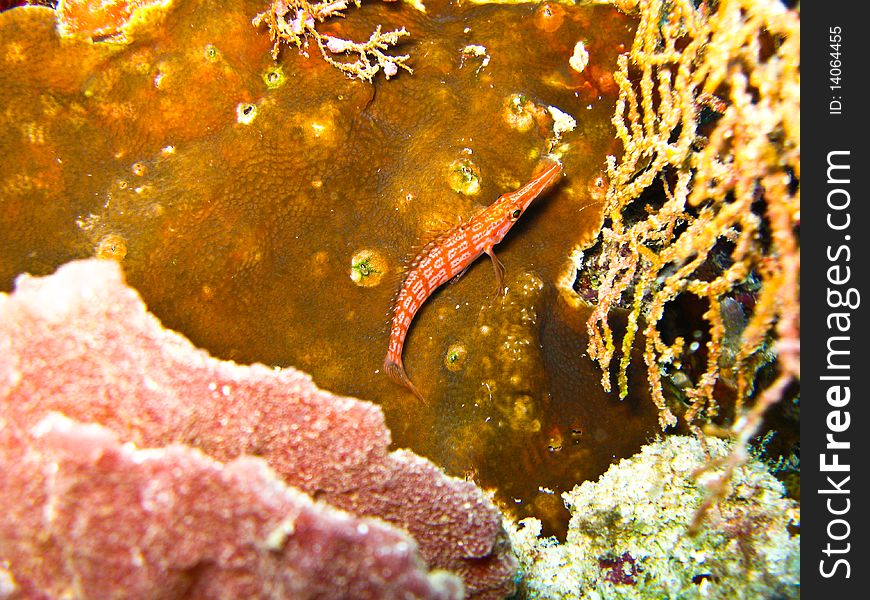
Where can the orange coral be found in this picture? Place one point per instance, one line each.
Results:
(106, 19)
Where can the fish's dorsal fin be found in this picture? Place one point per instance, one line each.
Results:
(428, 241)
(437, 233)
(431, 239)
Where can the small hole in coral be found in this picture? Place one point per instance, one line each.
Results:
(274, 77)
(246, 113)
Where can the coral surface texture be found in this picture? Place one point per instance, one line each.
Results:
(266, 207)
(123, 475)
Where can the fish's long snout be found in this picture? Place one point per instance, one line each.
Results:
(546, 175)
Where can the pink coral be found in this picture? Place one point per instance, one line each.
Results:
(172, 523)
(81, 343)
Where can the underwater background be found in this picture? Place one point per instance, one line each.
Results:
(259, 177)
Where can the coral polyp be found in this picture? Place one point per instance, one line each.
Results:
(274, 77)
(463, 176)
(367, 268)
(455, 357)
(246, 113)
(111, 246)
(521, 113)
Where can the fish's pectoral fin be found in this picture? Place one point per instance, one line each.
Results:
(499, 269)
(459, 275)
(396, 372)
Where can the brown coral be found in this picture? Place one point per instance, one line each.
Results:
(80, 343)
(236, 190)
(107, 19)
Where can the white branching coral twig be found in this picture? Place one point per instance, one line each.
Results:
(294, 22)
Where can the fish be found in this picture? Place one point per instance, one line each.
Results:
(451, 253)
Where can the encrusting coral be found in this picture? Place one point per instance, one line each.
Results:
(708, 110)
(80, 343)
(629, 533)
(107, 520)
(242, 193)
(113, 20)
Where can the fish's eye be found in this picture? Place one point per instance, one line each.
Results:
(516, 214)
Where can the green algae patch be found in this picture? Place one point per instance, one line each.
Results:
(242, 235)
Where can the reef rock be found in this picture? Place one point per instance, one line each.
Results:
(81, 343)
(629, 533)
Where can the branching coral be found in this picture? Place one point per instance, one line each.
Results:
(730, 213)
(301, 28)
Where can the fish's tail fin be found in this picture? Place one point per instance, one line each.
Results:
(396, 372)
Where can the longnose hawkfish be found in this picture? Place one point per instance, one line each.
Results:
(450, 254)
